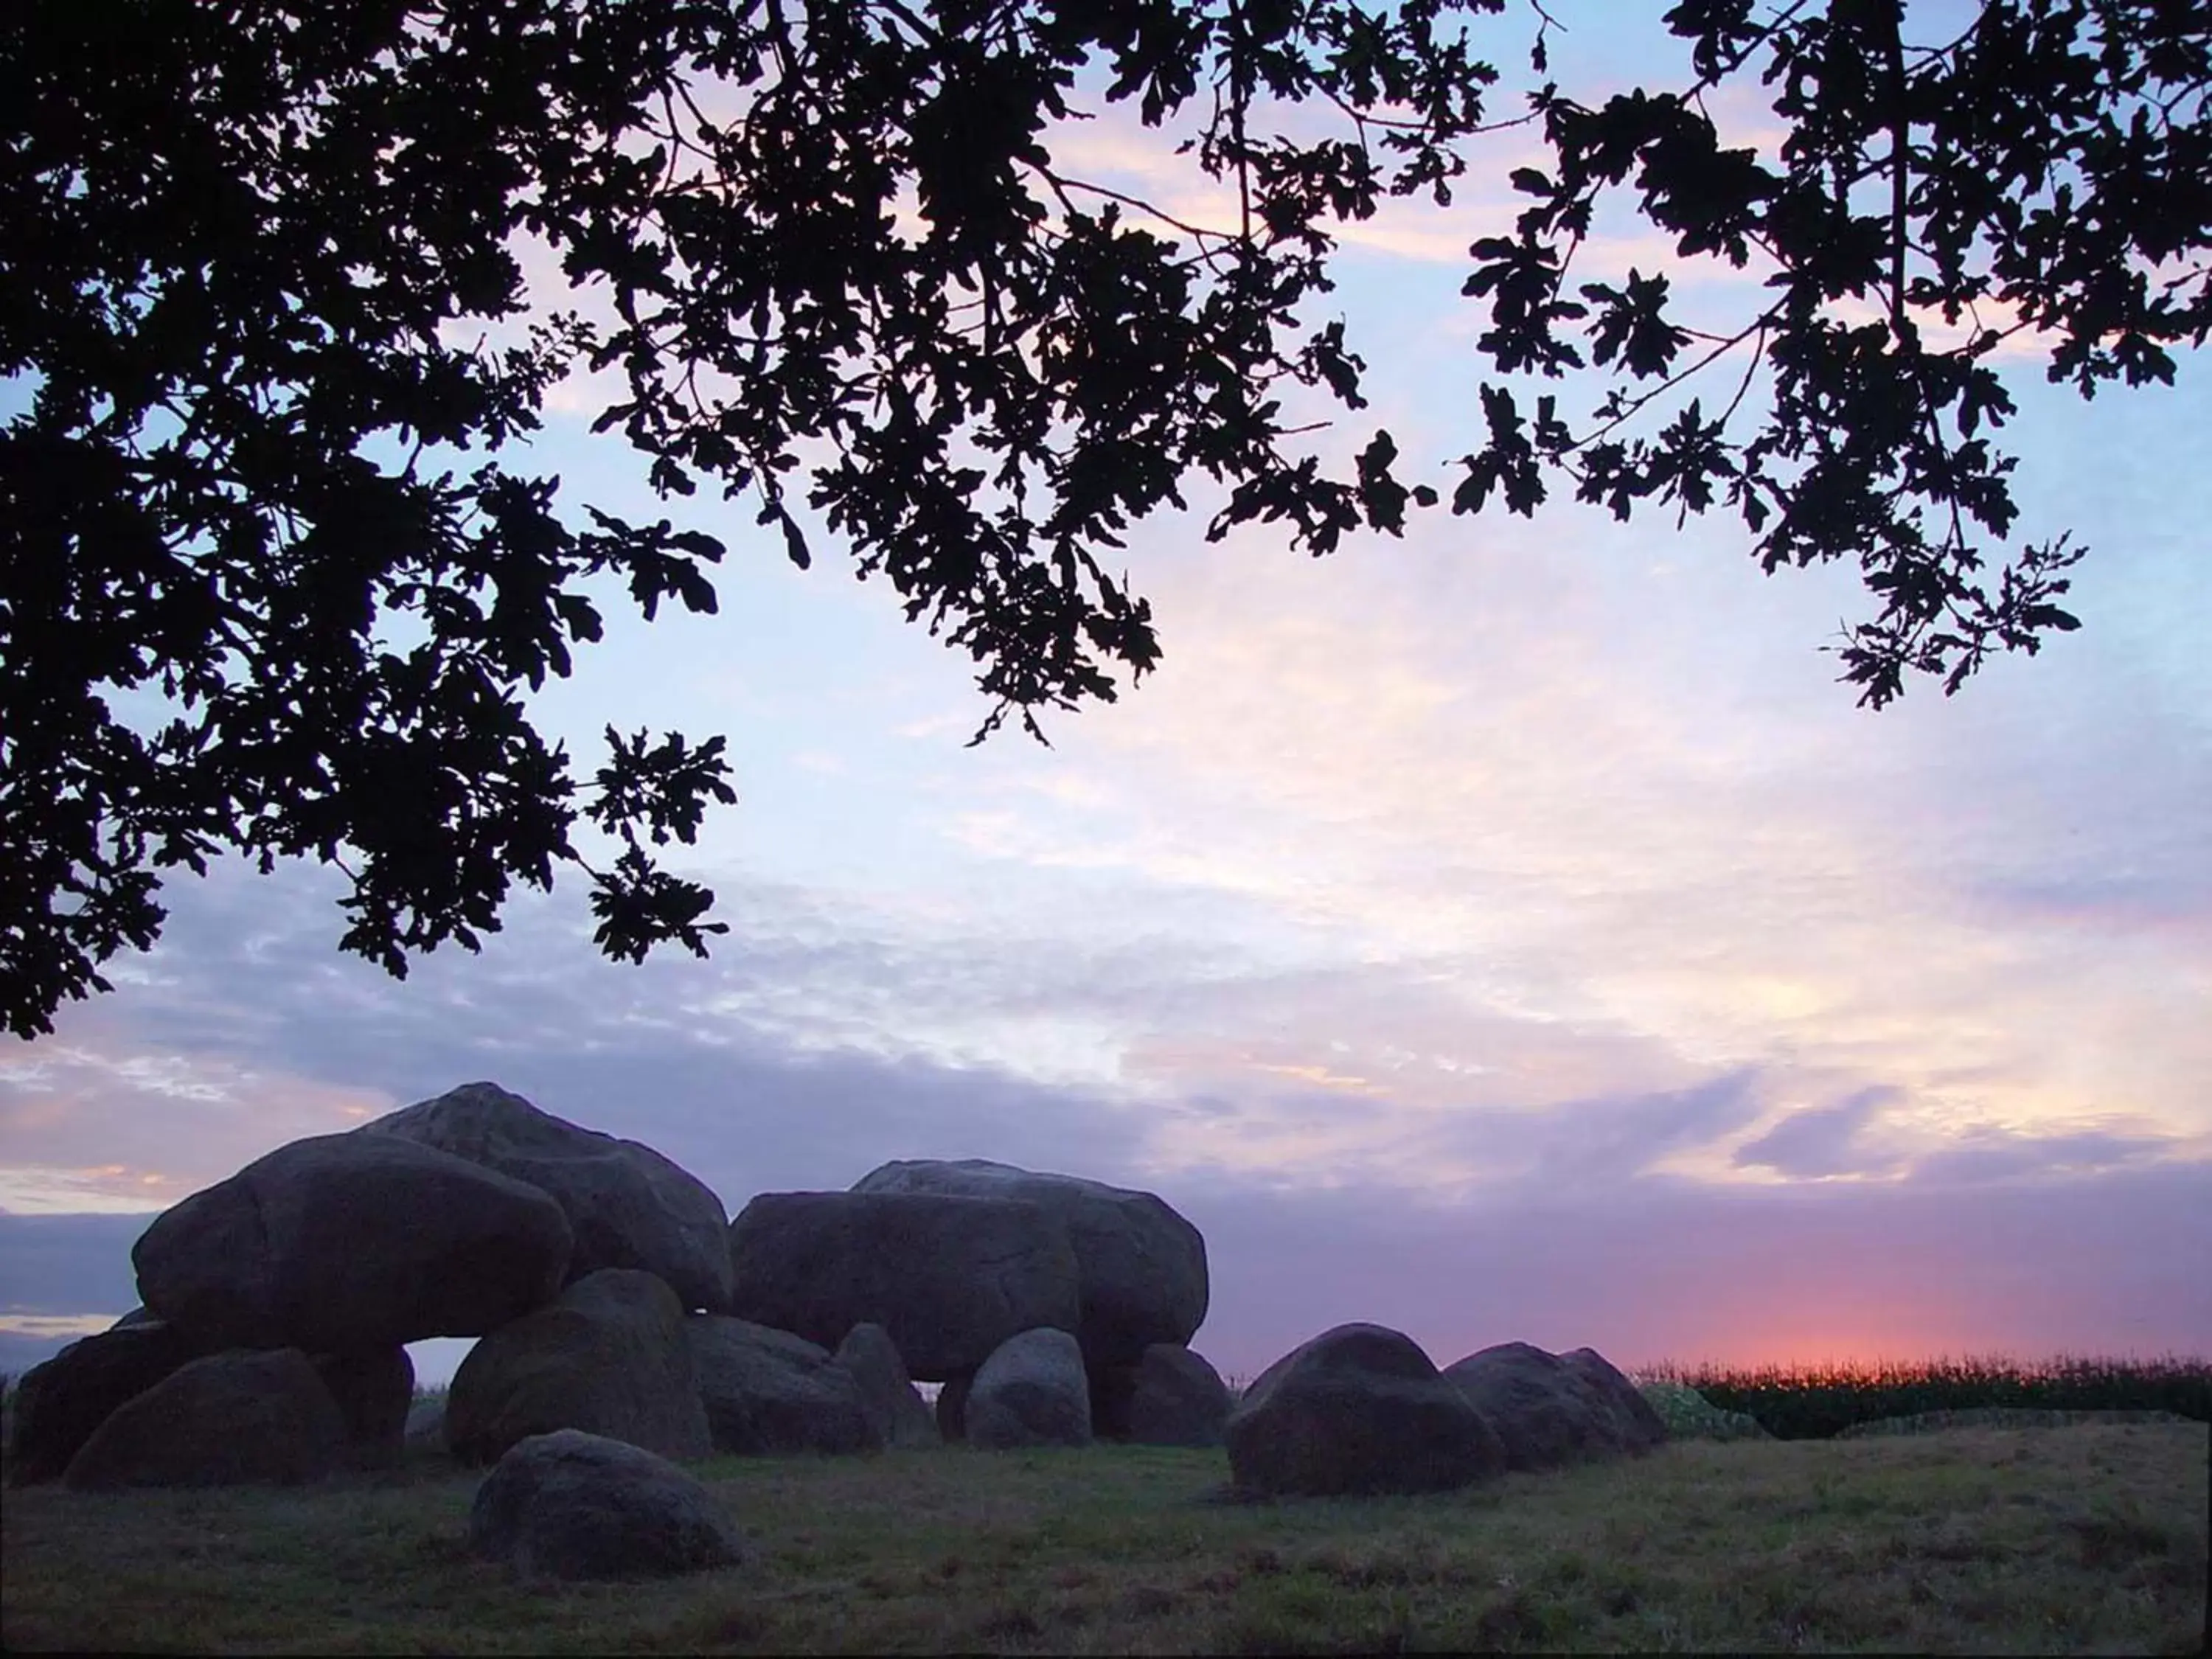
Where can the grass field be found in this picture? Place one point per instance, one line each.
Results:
(1973, 1539)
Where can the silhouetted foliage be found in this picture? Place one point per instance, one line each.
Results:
(2048, 169)
(251, 253)
(1819, 1403)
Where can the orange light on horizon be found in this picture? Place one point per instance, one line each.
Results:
(1878, 1359)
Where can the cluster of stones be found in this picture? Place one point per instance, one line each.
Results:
(1052, 1308)
(1361, 1409)
(623, 1321)
(626, 1325)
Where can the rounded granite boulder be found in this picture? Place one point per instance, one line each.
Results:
(627, 1205)
(348, 1243)
(1141, 1267)
(608, 1356)
(1553, 1409)
(948, 1278)
(1359, 1409)
(902, 1416)
(58, 1404)
(573, 1506)
(1030, 1392)
(1176, 1399)
(768, 1391)
(239, 1417)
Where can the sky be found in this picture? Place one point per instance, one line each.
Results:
(1511, 933)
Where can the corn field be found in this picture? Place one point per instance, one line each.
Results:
(1820, 1402)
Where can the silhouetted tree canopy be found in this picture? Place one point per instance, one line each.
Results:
(268, 477)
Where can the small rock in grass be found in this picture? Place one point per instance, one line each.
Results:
(574, 1505)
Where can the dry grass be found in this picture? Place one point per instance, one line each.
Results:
(1976, 1540)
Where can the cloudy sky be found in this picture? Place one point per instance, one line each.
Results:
(1512, 931)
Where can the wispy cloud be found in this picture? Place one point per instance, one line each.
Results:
(1822, 1141)
(1574, 820)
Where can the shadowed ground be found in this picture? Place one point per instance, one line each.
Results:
(1988, 1539)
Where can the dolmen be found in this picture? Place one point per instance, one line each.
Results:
(615, 1304)
(613, 1296)
(277, 1303)
(958, 1261)
(1361, 1409)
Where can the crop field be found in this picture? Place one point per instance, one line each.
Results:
(1946, 1537)
(1815, 1403)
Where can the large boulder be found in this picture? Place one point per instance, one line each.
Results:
(948, 1278)
(373, 1390)
(574, 1505)
(1141, 1267)
(627, 1206)
(1549, 1410)
(1358, 1409)
(1030, 1392)
(767, 1390)
(234, 1419)
(1177, 1400)
(1636, 1419)
(60, 1403)
(901, 1417)
(608, 1356)
(340, 1243)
